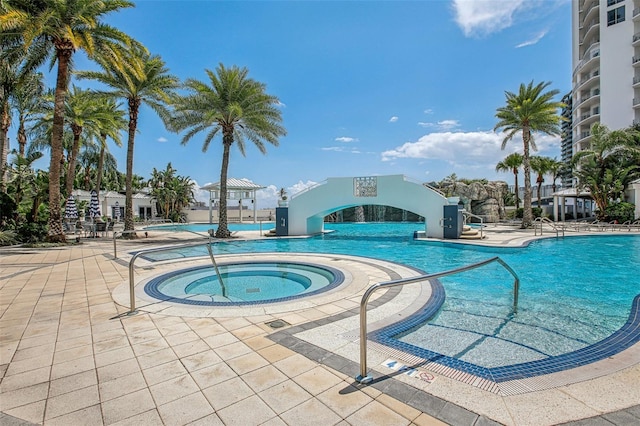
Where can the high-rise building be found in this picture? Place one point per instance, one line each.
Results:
(566, 140)
(606, 66)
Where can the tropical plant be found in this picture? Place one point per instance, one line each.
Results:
(57, 29)
(143, 80)
(512, 163)
(235, 106)
(607, 166)
(173, 193)
(27, 101)
(529, 111)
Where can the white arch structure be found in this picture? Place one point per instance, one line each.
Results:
(308, 208)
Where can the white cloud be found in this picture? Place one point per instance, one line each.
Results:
(428, 111)
(162, 139)
(333, 148)
(484, 17)
(393, 119)
(443, 125)
(534, 40)
(346, 139)
(468, 149)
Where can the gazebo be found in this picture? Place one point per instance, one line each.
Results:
(237, 190)
(583, 203)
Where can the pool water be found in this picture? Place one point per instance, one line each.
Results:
(574, 291)
(243, 283)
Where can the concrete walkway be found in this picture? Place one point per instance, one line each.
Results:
(69, 355)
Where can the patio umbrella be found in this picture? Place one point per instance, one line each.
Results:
(94, 205)
(71, 210)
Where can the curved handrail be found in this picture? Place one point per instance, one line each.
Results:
(132, 299)
(363, 377)
(467, 214)
(546, 221)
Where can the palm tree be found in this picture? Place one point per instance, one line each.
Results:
(110, 122)
(512, 163)
(57, 29)
(143, 80)
(529, 111)
(236, 107)
(556, 168)
(81, 111)
(27, 101)
(541, 166)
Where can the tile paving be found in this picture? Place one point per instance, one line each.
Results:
(69, 357)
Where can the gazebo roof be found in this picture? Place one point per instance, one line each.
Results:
(234, 184)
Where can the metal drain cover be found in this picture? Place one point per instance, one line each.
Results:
(253, 290)
(277, 323)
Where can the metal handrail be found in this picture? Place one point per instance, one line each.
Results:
(132, 299)
(363, 378)
(466, 214)
(542, 221)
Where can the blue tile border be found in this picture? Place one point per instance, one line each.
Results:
(151, 288)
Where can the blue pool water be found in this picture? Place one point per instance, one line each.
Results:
(244, 283)
(574, 291)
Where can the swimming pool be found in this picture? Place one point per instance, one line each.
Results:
(574, 291)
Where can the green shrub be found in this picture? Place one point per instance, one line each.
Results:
(32, 232)
(8, 237)
(620, 212)
(536, 211)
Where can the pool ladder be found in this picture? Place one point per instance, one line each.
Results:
(363, 377)
(132, 297)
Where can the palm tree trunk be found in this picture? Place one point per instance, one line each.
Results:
(527, 217)
(134, 105)
(223, 229)
(103, 143)
(73, 155)
(63, 53)
(517, 191)
(4, 144)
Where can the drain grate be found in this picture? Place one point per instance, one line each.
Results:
(253, 290)
(277, 323)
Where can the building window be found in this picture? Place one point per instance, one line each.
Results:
(612, 2)
(615, 16)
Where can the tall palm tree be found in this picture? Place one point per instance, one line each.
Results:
(27, 102)
(143, 80)
(528, 111)
(81, 111)
(235, 106)
(110, 123)
(57, 29)
(512, 163)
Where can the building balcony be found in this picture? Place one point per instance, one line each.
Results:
(636, 14)
(589, 14)
(636, 103)
(636, 82)
(592, 79)
(588, 119)
(635, 61)
(636, 39)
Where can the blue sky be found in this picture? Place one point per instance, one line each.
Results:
(367, 87)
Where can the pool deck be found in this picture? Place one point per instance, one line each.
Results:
(69, 354)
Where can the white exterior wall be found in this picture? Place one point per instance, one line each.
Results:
(308, 209)
(616, 68)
